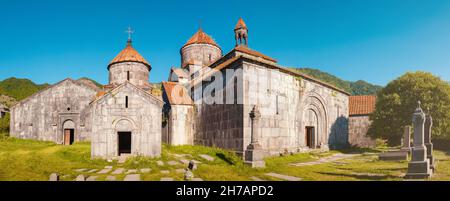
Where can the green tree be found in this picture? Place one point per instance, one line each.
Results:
(398, 100)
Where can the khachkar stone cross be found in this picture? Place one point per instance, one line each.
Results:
(428, 144)
(254, 154)
(419, 166)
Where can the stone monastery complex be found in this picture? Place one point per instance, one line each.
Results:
(262, 104)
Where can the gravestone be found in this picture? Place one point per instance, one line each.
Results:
(188, 174)
(428, 144)
(407, 139)
(419, 166)
(394, 156)
(254, 154)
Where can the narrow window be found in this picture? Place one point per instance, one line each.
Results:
(277, 105)
(128, 75)
(126, 101)
(235, 90)
(209, 56)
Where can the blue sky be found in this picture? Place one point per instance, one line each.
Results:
(373, 40)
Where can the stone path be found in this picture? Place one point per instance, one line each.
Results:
(92, 178)
(132, 177)
(118, 171)
(207, 157)
(283, 177)
(256, 178)
(104, 171)
(80, 178)
(145, 170)
(110, 178)
(172, 163)
(166, 179)
(327, 159)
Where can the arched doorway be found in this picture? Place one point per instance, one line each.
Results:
(124, 131)
(313, 132)
(68, 132)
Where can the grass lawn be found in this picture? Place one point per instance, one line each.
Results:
(27, 160)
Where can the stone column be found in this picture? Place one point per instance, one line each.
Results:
(407, 139)
(428, 144)
(419, 166)
(254, 154)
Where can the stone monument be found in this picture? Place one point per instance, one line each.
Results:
(407, 139)
(428, 144)
(419, 166)
(254, 154)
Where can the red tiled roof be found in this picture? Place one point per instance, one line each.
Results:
(245, 49)
(361, 105)
(176, 94)
(240, 24)
(129, 54)
(201, 38)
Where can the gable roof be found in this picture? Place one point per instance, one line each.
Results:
(247, 50)
(361, 105)
(54, 85)
(129, 54)
(103, 94)
(176, 94)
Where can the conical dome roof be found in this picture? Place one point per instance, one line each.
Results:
(240, 24)
(129, 54)
(201, 37)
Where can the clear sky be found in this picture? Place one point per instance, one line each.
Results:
(373, 40)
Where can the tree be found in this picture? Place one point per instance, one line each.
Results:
(398, 100)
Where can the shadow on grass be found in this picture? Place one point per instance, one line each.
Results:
(359, 150)
(360, 176)
(226, 159)
(387, 169)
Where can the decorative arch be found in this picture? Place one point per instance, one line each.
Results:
(312, 112)
(124, 124)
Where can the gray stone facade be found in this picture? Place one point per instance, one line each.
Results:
(200, 54)
(180, 125)
(358, 126)
(46, 114)
(141, 117)
(135, 73)
(291, 104)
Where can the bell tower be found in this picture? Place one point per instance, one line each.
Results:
(241, 33)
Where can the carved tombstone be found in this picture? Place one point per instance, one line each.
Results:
(254, 154)
(419, 166)
(428, 144)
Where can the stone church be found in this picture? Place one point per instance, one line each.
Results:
(121, 118)
(295, 112)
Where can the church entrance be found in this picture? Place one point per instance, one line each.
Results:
(69, 136)
(124, 142)
(310, 137)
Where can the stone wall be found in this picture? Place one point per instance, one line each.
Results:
(358, 127)
(42, 115)
(289, 104)
(142, 118)
(138, 74)
(221, 125)
(180, 125)
(200, 54)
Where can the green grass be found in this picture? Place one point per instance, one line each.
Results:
(28, 160)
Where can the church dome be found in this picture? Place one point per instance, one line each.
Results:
(129, 54)
(201, 37)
